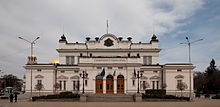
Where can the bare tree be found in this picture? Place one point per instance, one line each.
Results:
(56, 86)
(39, 87)
(181, 86)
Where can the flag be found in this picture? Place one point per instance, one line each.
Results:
(134, 72)
(103, 72)
(114, 73)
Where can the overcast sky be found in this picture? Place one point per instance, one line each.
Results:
(170, 20)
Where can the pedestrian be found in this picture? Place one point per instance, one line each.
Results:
(16, 97)
(11, 97)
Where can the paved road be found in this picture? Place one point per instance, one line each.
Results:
(195, 103)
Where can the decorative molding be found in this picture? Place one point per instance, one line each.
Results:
(74, 77)
(39, 76)
(179, 77)
(144, 77)
(62, 77)
(155, 77)
(108, 42)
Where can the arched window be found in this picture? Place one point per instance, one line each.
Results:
(98, 77)
(109, 77)
(120, 77)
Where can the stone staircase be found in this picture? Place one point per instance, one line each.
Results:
(110, 98)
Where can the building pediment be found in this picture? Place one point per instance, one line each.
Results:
(39, 76)
(62, 77)
(74, 77)
(155, 77)
(179, 77)
(144, 77)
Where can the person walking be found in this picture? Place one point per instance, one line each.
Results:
(16, 95)
(11, 97)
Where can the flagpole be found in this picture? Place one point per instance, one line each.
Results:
(107, 26)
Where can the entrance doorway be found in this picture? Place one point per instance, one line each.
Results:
(99, 84)
(120, 84)
(109, 84)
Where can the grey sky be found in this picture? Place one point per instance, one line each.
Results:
(170, 20)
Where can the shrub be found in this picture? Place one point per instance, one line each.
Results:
(207, 96)
(153, 92)
(66, 93)
(216, 97)
(63, 95)
(159, 96)
(198, 95)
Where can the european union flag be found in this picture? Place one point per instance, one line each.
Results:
(103, 72)
(134, 72)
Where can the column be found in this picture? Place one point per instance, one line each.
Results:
(104, 86)
(115, 86)
(125, 85)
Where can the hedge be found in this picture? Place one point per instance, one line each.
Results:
(216, 97)
(63, 95)
(156, 92)
(158, 96)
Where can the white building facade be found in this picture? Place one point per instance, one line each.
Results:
(111, 66)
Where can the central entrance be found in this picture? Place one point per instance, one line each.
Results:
(109, 84)
(120, 84)
(99, 84)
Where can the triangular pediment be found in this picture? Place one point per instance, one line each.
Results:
(179, 77)
(74, 77)
(39, 76)
(144, 77)
(62, 77)
(155, 77)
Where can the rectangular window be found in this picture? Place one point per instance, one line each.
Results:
(74, 85)
(72, 60)
(133, 82)
(179, 70)
(145, 60)
(149, 60)
(60, 85)
(144, 85)
(99, 67)
(120, 67)
(154, 71)
(67, 60)
(38, 70)
(39, 81)
(77, 86)
(179, 81)
(62, 71)
(153, 84)
(109, 67)
(78, 59)
(64, 85)
(157, 84)
(86, 82)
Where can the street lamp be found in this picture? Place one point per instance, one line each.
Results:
(84, 75)
(32, 43)
(138, 76)
(190, 79)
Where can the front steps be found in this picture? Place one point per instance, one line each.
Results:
(110, 98)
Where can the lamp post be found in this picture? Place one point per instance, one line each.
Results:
(190, 79)
(32, 43)
(83, 75)
(138, 76)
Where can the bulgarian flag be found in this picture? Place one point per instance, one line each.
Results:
(114, 73)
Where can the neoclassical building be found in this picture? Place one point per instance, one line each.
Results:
(111, 65)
